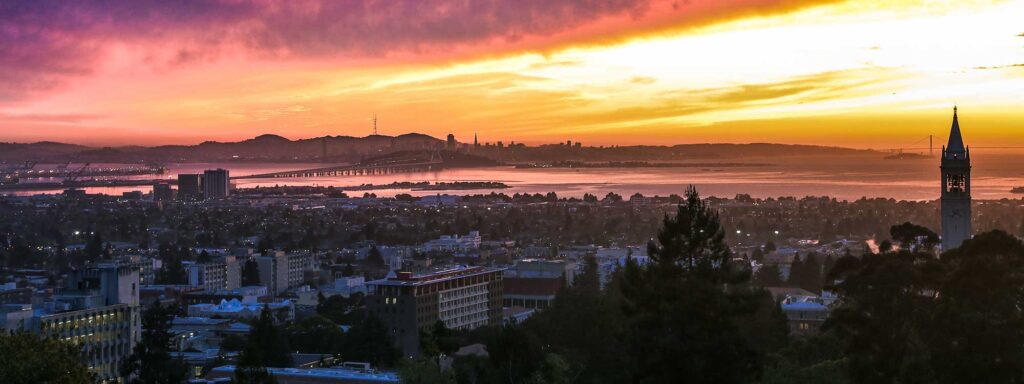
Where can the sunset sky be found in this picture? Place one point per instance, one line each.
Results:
(861, 74)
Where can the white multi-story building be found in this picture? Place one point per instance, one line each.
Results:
(223, 274)
(98, 309)
(281, 271)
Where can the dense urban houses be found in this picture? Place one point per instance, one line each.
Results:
(462, 298)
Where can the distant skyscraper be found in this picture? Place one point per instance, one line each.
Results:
(956, 189)
(162, 191)
(216, 183)
(189, 186)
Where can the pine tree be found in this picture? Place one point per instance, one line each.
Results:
(151, 361)
(250, 273)
(267, 338)
(688, 310)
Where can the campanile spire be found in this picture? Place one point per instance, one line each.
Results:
(956, 188)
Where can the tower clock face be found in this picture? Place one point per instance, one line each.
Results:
(955, 213)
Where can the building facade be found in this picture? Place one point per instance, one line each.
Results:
(189, 186)
(462, 298)
(956, 189)
(97, 308)
(216, 183)
(222, 274)
(281, 271)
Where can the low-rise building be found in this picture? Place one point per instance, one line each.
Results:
(533, 283)
(234, 309)
(454, 243)
(805, 315)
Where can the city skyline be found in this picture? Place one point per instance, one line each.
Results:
(833, 73)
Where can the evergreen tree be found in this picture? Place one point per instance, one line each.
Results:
(768, 275)
(268, 339)
(151, 361)
(204, 257)
(375, 260)
(796, 272)
(977, 329)
(757, 255)
(172, 271)
(251, 369)
(94, 248)
(685, 310)
(886, 304)
(370, 341)
(250, 273)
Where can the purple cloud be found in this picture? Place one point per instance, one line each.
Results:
(46, 43)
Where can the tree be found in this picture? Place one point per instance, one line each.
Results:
(316, 334)
(375, 260)
(593, 360)
(250, 273)
(172, 271)
(437, 341)
(806, 274)
(423, 372)
(816, 359)
(887, 303)
(370, 341)
(910, 235)
(268, 340)
(757, 255)
(515, 353)
(151, 361)
(768, 275)
(978, 325)
(94, 248)
(233, 342)
(613, 197)
(251, 369)
(204, 257)
(28, 358)
(686, 309)
(340, 309)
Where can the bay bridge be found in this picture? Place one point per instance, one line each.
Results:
(918, 145)
(405, 164)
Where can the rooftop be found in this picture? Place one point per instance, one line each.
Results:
(408, 279)
(323, 373)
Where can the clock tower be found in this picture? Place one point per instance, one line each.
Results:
(956, 189)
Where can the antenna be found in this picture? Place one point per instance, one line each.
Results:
(375, 124)
(930, 153)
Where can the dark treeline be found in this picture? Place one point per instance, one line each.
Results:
(905, 315)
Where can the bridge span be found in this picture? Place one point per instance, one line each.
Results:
(380, 167)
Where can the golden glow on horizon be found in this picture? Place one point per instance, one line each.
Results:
(804, 77)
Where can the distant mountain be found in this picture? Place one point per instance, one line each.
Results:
(260, 148)
(18, 152)
(274, 148)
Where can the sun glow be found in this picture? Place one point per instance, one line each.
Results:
(813, 72)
